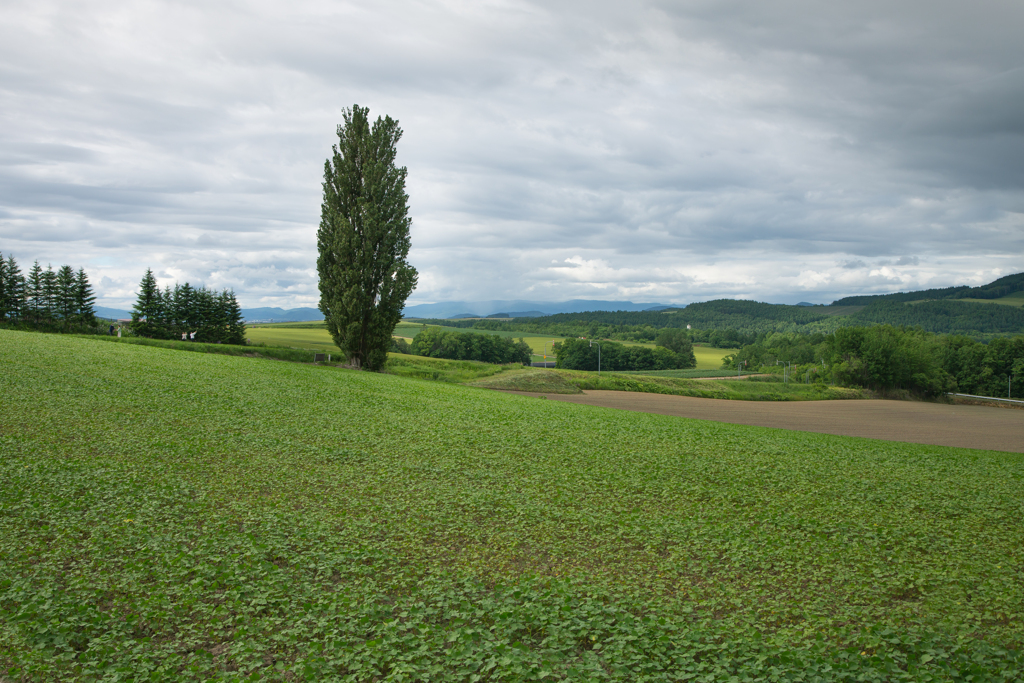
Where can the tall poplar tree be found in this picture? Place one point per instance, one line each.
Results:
(363, 240)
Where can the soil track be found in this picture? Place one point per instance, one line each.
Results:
(964, 426)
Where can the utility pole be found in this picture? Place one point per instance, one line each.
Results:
(598, 356)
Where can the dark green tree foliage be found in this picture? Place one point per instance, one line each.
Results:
(583, 354)
(34, 293)
(12, 289)
(49, 294)
(55, 301)
(993, 290)
(678, 342)
(363, 239)
(64, 305)
(991, 369)
(923, 295)
(214, 316)
(399, 345)
(148, 309)
(85, 313)
(798, 349)
(232, 317)
(885, 357)
(489, 348)
(949, 317)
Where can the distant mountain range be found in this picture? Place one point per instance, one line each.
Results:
(111, 313)
(281, 315)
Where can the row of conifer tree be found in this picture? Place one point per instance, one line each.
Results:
(214, 316)
(61, 297)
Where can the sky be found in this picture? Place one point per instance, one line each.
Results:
(651, 151)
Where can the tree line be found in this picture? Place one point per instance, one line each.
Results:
(949, 316)
(213, 316)
(455, 345)
(584, 354)
(61, 298)
(887, 358)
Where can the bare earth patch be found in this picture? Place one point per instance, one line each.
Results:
(963, 426)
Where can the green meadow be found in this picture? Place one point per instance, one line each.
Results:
(169, 516)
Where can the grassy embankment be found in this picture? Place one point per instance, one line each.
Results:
(573, 382)
(184, 516)
(511, 377)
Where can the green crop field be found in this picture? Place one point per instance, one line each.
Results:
(170, 516)
(315, 336)
(318, 339)
(709, 358)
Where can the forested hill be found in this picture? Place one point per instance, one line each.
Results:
(923, 295)
(951, 317)
(751, 318)
(746, 317)
(996, 289)
(993, 290)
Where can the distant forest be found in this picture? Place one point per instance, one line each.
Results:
(993, 290)
(729, 323)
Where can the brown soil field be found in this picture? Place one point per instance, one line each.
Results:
(963, 426)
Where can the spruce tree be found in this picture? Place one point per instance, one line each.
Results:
(64, 299)
(146, 312)
(5, 305)
(363, 240)
(85, 313)
(15, 288)
(233, 318)
(167, 321)
(34, 293)
(49, 293)
(205, 317)
(185, 307)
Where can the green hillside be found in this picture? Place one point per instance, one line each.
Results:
(996, 289)
(170, 516)
(1013, 299)
(949, 317)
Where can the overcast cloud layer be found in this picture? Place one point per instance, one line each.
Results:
(652, 151)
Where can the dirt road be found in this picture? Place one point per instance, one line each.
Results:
(964, 426)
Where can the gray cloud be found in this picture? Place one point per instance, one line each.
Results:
(658, 151)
